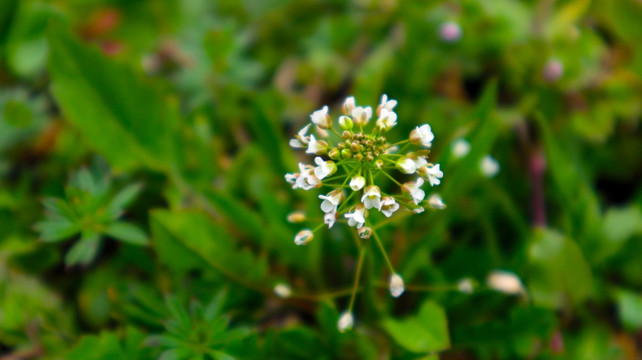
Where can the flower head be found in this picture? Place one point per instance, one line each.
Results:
(318, 147)
(422, 135)
(414, 190)
(460, 148)
(282, 290)
(346, 321)
(371, 197)
(436, 202)
(388, 206)
(432, 173)
(386, 104)
(357, 217)
(361, 115)
(331, 201)
(321, 118)
(324, 168)
(396, 285)
(303, 237)
(505, 281)
(387, 119)
(489, 166)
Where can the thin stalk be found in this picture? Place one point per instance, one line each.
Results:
(355, 287)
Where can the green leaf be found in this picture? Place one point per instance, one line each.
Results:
(423, 333)
(619, 225)
(629, 306)
(123, 198)
(128, 233)
(84, 250)
(558, 270)
(55, 230)
(120, 115)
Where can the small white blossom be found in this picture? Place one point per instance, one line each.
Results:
(388, 206)
(396, 285)
(357, 183)
(387, 120)
(432, 173)
(329, 219)
(303, 237)
(331, 201)
(418, 210)
(460, 148)
(371, 197)
(436, 202)
(391, 150)
(349, 105)
(318, 147)
(357, 216)
(321, 118)
(306, 180)
(324, 168)
(386, 104)
(420, 161)
(465, 286)
(406, 165)
(414, 190)
(489, 166)
(361, 116)
(346, 321)
(301, 140)
(291, 178)
(450, 31)
(505, 281)
(322, 133)
(422, 135)
(282, 290)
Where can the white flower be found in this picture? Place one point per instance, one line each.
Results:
(357, 216)
(291, 178)
(396, 285)
(346, 123)
(296, 217)
(306, 180)
(391, 150)
(331, 201)
(432, 173)
(361, 116)
(465, 286)
(422, 135)
(357, 183)
(329, 219)
(315, 146)
(460, 148)
(282, 290)
(406, 165)
(450, 31)
(371, 197)
(303, 237)
(414, 190)
(420, 161)
(348, 105)
(301, 140)
(321, 118)
(436, 202)
(418, 210)
(489, 166)
(386, 104)
(322, 133)
(346, 321)
(387, 120)
(389, 205)
(505, 281)
(324, 168)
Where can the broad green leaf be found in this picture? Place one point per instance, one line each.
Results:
(56, 230)
(629, 306)
(122, 116)
(559, 272)
(128, 233)
(422, 333)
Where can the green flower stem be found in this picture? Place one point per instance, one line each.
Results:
(326, 295)
(400, 142)
(336, 133)
(383, 250)
(391, 178)
(345, 202)
(335, 185)
(422, 288)
(362, 254)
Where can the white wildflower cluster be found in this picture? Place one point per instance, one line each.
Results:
(352, 158)
(354, 161)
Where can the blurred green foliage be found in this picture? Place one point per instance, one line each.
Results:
(120, 119)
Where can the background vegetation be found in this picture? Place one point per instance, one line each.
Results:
(143, 207)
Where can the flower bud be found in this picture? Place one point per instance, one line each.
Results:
(358, 157)
(346, 321)
(365, 232)
(406, 165)
(346, 123)
(396, 285)
(282, 290)
(489, 166)
(303, 237)
(296, 217)
(346, 154)
(379, 163)
(465, 286)
(349, 105)
(357, 183)
(460, 148)
(334, 154)
(505, 281)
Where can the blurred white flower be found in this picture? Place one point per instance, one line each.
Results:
(386, 104)
(296, 217)
(450, 31)
(346, 321)
(505, 281)
(435, 202)
(321, 118)
(318, 147)
(282, 290)
(460, 148)
(361, 115)
(349, 105)
(422, 135)
(387, 120)
(396, 285)
(553, 70)
(330, 218)
(465, 285)
(303, 237)
(489, 166)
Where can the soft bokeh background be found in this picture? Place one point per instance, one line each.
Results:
(187, 107)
